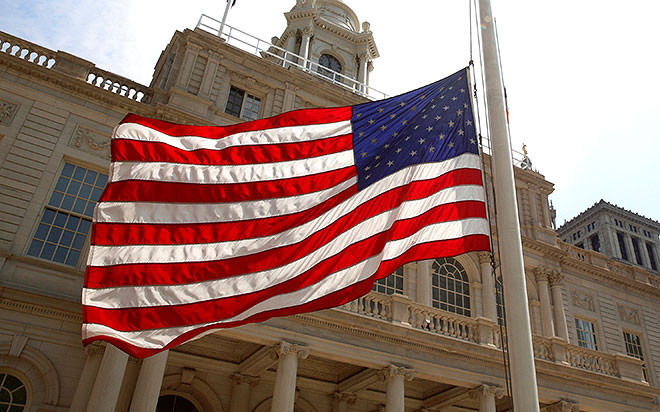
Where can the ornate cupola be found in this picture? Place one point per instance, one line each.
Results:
(328, 35)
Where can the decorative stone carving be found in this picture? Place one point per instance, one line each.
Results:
(555, 278)
(393, 370)
(91, 141)
(286, 348)
(629, 314)
(239, 378)
(337, 397)
(94, 350)
(563, 406)
(583, 300)
(482, 390)
(7, 112)
(541, 274)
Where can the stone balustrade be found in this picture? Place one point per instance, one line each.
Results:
(75, 67)
(455, 326)
(27, 51)
(119, 85)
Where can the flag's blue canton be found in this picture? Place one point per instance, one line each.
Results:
(430, 124)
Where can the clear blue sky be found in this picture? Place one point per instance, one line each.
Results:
(580, 75)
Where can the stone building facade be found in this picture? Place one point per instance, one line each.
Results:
(426, 339)
(617, 233)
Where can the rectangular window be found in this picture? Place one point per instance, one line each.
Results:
(636, 249)
(242, 105)
(391, 284)
(595, 242)
(634, 349)
(652, 258)
(586, 334)
(622, 245)
(67, 218)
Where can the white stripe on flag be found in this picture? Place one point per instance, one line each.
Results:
(210, 175)
(289, 134)
(163, 213)
(191, 213)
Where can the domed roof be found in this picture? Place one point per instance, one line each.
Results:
(338, 13)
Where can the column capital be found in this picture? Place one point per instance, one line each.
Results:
(337, 397)
(285, 348)
(486, 390)
(94, 350)
(555, 278)
(563, 406)
(484, 257)
(541, 274)
(239, 378)
(393, 370)
(308, 31)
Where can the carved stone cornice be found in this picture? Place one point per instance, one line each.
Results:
(285, 348)
(393, 370)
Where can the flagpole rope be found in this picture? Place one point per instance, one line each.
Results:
(504, 343)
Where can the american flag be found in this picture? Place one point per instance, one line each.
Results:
(203, 228)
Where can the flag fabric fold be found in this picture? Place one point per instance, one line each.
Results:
(201, 228)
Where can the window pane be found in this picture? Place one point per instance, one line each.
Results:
(450, 287)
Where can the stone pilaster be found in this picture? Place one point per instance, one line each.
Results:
(555, 278)
(541, 275)
(240, 394)
(86, 383)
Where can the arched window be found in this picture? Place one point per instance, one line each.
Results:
(391, 284)
(450, 286)
(13, 394)
(327, 61)
(175, 403)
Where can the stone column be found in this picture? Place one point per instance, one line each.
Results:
(304, 47)
(87, 377)
(108, 381)
(424, 282)
(488, 291)
(240, 393)
(631, 250)
(341, 401)
(544, 297)
(364, 67)
(290, 48)
(561, 328)
(149, 381)
(646, 259)
(486, 394)
(284, 393)
(394, 376)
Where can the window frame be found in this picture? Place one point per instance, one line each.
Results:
(247, 96)
(581, 342)
(25, 383)
(642, 350)
(39, 221)
(438, 302)
(386, 288)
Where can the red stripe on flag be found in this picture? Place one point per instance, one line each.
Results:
(133, 319)
(424, 251)
(175, 192)
(139, 151)
(191, 272)
(293, 118)
(119, 234)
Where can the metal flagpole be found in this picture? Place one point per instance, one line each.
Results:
(521, 353)
(224, 17)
